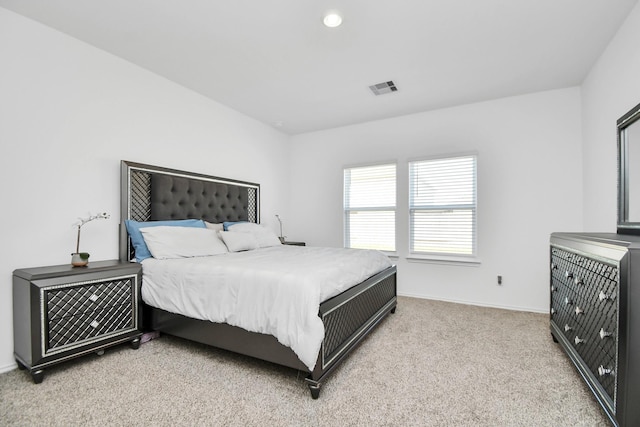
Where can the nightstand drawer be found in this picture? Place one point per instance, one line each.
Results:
(76, 298)
(69, 332)
(85, 312)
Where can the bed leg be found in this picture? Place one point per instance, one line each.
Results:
(135, 344)
(393, 310)
(314, 388)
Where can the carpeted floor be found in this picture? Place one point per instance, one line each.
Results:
(429, 364)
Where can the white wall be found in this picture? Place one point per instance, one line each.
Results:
(610, 90)
(529, 185)
(68, 114)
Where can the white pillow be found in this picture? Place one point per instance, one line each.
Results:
(214, 226)
(237, 242)
(263, 235)
(166, 242)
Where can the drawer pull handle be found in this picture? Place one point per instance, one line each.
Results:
(578, 281)
(94, 324)
(568, 274)
(578, 340)
(602, 296)
(602, 371)
(567, 328)
(567, 301)
(93, 297)
(554, 266)
(553, 311)
(553, 288)
(579, 311)
(604, 334)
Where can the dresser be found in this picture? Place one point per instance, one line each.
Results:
(595, 315)
(61, 312)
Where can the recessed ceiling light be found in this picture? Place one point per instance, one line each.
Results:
(332, 19)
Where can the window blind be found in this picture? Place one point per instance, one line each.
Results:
(370, 207)
(442, 206)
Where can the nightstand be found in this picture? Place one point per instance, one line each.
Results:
(61, 312)
(294, 243)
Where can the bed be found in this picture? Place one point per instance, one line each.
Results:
(151, 193)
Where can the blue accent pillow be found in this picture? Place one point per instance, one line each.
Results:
(228, 224)
(133, 227)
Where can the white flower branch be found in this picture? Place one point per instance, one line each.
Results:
(83, 221)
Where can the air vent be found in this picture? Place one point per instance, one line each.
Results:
(382, 88)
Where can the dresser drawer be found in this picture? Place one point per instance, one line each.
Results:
(584, 307)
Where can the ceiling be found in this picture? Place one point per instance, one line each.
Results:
(273, 60)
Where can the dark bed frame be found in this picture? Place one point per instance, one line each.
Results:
(151, 193)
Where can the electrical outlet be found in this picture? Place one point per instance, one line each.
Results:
(499, 280)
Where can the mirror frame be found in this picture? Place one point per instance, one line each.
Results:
(625, 226)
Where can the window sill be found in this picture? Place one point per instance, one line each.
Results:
(471, 261)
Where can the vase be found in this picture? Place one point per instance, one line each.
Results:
(79, 259)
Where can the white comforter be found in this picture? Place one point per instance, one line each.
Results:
(274, 291)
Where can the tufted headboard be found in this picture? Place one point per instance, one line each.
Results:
(151, 193)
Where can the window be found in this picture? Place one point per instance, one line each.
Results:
(370, 207)
(442, 206)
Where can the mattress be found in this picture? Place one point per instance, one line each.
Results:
(275, 290)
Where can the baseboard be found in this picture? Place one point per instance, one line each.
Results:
(7, 368)
(479, 304)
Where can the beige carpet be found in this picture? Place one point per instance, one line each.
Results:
(430, 364)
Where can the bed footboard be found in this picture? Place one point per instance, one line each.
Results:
(348, 318)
